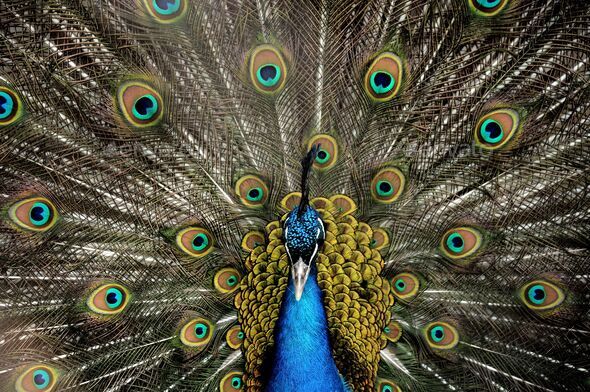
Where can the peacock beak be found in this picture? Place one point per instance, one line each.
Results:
(300, 271)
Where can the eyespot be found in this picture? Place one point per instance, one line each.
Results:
(140, 104)
(108, 299)
(35, 214)
(405, 285)
(267, 69)
(380, 239)
(11, 107)
(227, 280)
(252, 191)
(441, 335)
(387, 185)
(196, 333)
(232, 382)
(39, 378)
(460, 242)
(393, 331)
(291, 200)
(252, 240)
(495, 129)
(387, 386)
(195, 241)
(487, 7)
(541, 295)
(383, 79)
(327, 154)
(234, 337)
(166, 11)
(344, 204)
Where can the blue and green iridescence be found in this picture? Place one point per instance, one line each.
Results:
(537, 295)
(384, 188)
(382, 82)
(232, 281)
(386, 388)
(41, 378)
(400, 285)
(200, 242)
(437, 334)
(322, 156)
(114, 298)
(236, 382)
(488, 3)
(455, 243)
(491, 131)
(268, 74)
(145, 107)
(166, 7)
(201, 330)
(39, 214)
(6, 105)
(240, 335)
(255, 194)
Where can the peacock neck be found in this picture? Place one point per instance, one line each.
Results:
(303, 359)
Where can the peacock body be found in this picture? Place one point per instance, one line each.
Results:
(327, 196)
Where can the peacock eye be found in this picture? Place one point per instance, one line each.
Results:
(108, 299)
(387, 386)
(460, 242)
(380, 239)
(195, 241)
(36, 214)
(328, 152)
(487, 7)
(10, 106)
(387, 185)
(38, 378)
(495, 129)
(541, 295)
(393, 331)
(140, 104)
(267, 69)
(383, 79)
(252, 191)
(166, 11)
(227, 280)
(231, 382)
(234, 337)
(441, 335)
(196, 333)
(252, 240)
(405, 285)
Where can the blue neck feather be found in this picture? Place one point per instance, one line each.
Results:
(303, 359)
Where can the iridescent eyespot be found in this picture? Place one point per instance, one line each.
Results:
(38, 378)
(252, 240)
(387, 185)
(252, 191)
(460, 242)
(195, 241)
(231, 382)
(380, 239)
(327, 155)
(140, 104)
(387, 386)
(541, 295)
(405, 285)
(196, 333)
(495, 129)
(267, 69)
(227, 280)
(393, 331)
(234, 337)
(11, 107)
(166, 11)
(108, 299)
(384, 76)
(487, 7)
(344, 204)
(441, 335)
(35, 214)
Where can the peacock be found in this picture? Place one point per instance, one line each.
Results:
(294, 196)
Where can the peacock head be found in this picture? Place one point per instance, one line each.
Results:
(303, 231)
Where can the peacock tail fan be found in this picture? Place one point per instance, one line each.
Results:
(150, 169)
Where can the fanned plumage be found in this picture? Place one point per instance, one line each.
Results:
(150, 158)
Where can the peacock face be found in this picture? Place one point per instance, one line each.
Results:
(304, 234)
